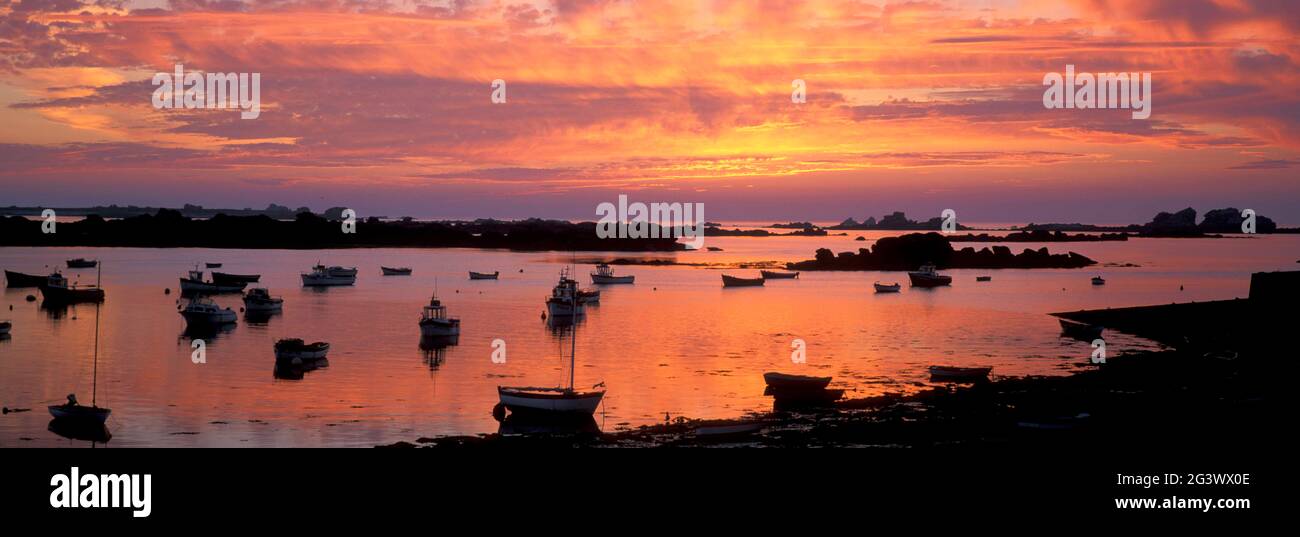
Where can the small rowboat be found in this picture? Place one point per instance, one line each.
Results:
(890, 288)
(732, 281)
(983, 278)
(783, 381)
(82, 263)
(212, 265)
(959, 374)
(1081, 331)
(222, 278)
(295, 349)
(79, 414)
(396, 271)
(774, 275)
(483, 275)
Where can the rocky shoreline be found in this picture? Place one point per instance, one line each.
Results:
(910, 251)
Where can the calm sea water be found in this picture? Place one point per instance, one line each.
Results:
(674, 343)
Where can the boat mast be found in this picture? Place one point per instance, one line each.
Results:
(94, 382)
(573, 308)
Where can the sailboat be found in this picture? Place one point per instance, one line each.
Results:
(559, 402)
(73, 413)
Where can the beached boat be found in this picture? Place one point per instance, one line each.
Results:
(605, 275)
(1081, 331)
(959, 374)
(928, 276)
(193, 284)
(553, 403)
(887, 288)
(483, 275)
(75, 415)
(18, 279)
(732, 281)
(783, 381)
(289, 350)
(774, 275)
(259, 300)
(82, 263)
(212, 265)
(321, 276)
(564, 301)
(5, 327)
(395, 271)
(57, 290)
(434, 320)
(1098, 280)
(983, 278)
(224, 278)
(203, 311)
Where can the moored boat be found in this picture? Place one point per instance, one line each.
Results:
(5, 327)
(435, 322)
(259, 299)
(553, 403)
(18, 279)
(887, 288)
(483, 275)
(336, 270)
(928, 276)
(82, 263)
(959, 374)
(321, 276)
(983, 278)
(75, 415)
(604, 275)
(203, 311)
(1098, 280)
(1081, 331)
(784, 381)
(224, 278)
(564, 301)
(57, 289)
(775, 275)
(589, 296)
(291, 349)
(212, 265)
(395, 271)
(733, 281)
(193, 284)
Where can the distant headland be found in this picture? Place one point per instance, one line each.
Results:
(915, 249)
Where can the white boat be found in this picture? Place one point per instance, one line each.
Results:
(205, 311)
(76, 415)
(890, 288)
(559, 402)
(605, 275)
(434, 320)
(337, 270)
(395, 271)
(194, 284)
(928, 276)
(1098, 280)
(321, 276)
(564, 300)
(289, 350)
(259, 299)
(5, 326)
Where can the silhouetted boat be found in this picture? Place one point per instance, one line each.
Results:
(57, 290)
(959, 374)
(890, 288)
(434, 320)
(5, 327)
(290, 350)
(1081, 331)
(732, 281)
(983, 278)
(223, 278)
(397, 271)
(82, 263)
(76, 415)
(588, 296)
(212, 265)
(259, 300)
(336, 270)
(483, 275)
(774, 275)
(554, 403)
(605, 275)
(321, 276)
(18, 279)
(193, 284)
(927, 276)
(783, 381)
(203, 311)
(1098, 280)
(564, 301)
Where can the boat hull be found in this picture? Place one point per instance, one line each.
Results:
(78, 263)
(782, 381)
(560, 308)
(610, 280)
(732, 281)
(63, 295)
(440, 329)
(225, 316)
(1081, 331)
(4, 328)
(887, 288)
(189, 286)
(770, 275)
(18, 279)
(310, 280)
(222, 278)
(482, 276)
(549, 402)
(395, 271)
(926, 280)
(80, 414)
(959, 374)
(263, 307)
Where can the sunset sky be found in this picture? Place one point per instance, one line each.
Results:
(384, 107)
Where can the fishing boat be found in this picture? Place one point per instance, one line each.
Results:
(18, 279)
(212, 265)
(928, 276)
(75, 415)
(604, 275)
(732, 281)
(224, 278)
(959, 374)
(321, 276)
(82, 263)
(784, 381)
(336, 270)
(193, 284)
(5, 327)
(589, 296)
(553, 403)
(775, 275)
(983, 278)
(259, 300)
(395, 271)
(483, 275)
(564, 301)
(203, 311)
(57, 290)
(1081, 331)
(1098, 280)
(289, 350)
(887, 288)
(434, 320)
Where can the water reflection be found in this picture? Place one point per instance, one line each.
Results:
(516, 424)
(206, 331)
(435, 349)
(73, 430)
(260, 318)
(285, 370)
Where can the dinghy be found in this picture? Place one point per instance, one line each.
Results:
(75, 415)
(774, 275)
(783, 381)
(732, 281)
(223, 278)
(890, 288)
(395, 271)
(82, 263)
(483, 275)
